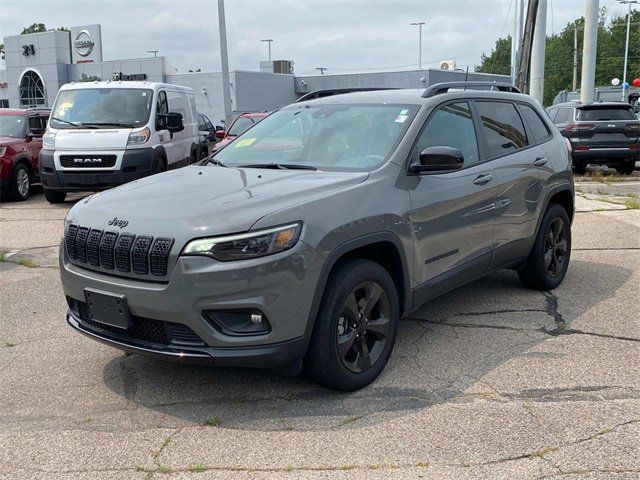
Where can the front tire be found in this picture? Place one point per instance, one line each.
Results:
(21, 183)
(54, 196)
(356, 326)
(548, 260)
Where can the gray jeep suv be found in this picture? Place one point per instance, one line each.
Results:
(312, 234)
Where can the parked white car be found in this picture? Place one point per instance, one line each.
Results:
(104, 134)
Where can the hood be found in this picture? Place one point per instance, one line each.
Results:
(6, 141)
(199, 201)
(94, 139)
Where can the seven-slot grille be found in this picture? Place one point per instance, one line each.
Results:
(87, 161)
(124, 252)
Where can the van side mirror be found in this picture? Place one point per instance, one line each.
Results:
(36, 127)
(172, 121)
(438, 160)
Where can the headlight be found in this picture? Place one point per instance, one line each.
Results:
(49, 139)
(139, 137)
(246, 245)
(3, 150)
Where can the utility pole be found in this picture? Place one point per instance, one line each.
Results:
(516, 41)
(419, 24)
(155, 53)
(527, 42)
(575, 57)
(322, 69)
(589, 50)
(268, 41)
(626, 45)
(536, 88)
(224, 57)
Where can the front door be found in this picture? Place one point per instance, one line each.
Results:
(452, 213)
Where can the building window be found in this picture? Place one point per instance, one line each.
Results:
(4, 103)
(31, 90)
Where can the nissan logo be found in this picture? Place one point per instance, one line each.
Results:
(83, 43)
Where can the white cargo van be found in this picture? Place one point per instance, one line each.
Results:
(103, 134)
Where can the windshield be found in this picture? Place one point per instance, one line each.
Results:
(126, 107)
(12, 126)
(241, 125)
(328, 137)
(605, 114)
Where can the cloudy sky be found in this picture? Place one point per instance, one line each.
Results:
(344, 36)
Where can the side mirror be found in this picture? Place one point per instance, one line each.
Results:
(218, 127)
(220, 133)
(35, 127)
(439, 160)
(172, 121)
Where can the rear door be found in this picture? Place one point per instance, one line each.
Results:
(453, 213)
(521, 168)
(606, 126)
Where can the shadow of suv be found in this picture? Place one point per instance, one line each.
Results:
(313, 233)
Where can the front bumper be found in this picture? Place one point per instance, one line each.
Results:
(136, 164)
(280, 286)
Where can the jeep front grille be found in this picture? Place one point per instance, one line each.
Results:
(124, 252)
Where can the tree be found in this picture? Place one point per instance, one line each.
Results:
(499, 60)
(40, 27)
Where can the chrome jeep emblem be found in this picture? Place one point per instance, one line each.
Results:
(118, 223)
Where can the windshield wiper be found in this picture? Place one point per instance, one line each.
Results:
(212, 160)
(66, 121)
(279, 166)
(107, 124)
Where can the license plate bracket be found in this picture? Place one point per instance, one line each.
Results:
(108, 308)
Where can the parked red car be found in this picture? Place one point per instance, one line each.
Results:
(241, 124)
(21, 133)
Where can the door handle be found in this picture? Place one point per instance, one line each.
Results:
(540, 161)
(483, 179)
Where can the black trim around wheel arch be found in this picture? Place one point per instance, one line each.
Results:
(554, 190)
(340, 252)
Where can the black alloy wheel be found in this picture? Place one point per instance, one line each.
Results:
(364, 327)
(555, 247)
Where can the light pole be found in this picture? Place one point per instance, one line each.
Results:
(419, 24)
(268, 41)
(155, 53)
(626, 45)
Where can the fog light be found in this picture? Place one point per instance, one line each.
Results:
(238, 322)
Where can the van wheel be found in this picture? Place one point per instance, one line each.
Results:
(626, 168)
(356, 326)
(193, 158)
(159, 165)
(549, 258)
(54, 196)
(21, 183)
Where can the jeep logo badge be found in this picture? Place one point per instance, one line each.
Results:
(118, 223)
(84, 43)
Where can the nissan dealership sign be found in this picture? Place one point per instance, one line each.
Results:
(86, 44)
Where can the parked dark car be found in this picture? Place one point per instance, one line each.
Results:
(206, 134)
(21, 133)
(600, 133)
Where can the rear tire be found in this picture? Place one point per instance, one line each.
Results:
(54, 196)
(580, 168)
(20, 183)
(356, 326)
(626, 168)
(548, 260)
(159, 165)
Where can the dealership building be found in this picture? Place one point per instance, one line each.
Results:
(38, 64)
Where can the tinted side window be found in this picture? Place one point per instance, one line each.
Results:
(537, 126)
(564, 115)
(450, 126)
(163, 105)
(502, 128)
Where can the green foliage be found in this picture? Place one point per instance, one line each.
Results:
(39, 27)
(559, 54)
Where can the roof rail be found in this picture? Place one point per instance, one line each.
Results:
(444, 87)
(337, 91)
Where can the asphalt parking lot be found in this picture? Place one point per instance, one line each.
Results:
(489, 381)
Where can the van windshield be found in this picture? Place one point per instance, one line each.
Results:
(102, 108)
(347, 137)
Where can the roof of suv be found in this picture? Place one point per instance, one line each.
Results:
(23, 111)
(410, 96)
